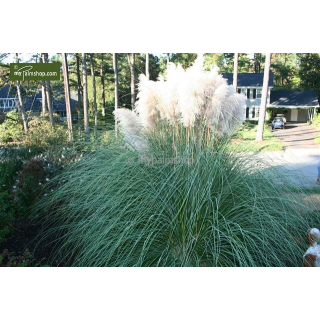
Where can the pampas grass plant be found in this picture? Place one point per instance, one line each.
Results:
(177, 196)
(192, 97)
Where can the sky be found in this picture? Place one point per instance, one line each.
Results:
(24, 57)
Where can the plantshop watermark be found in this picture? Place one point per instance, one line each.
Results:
(151, 161)
(34, 71)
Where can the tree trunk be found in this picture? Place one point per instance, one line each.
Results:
(43, 98)
(49, 95)
(21, 106)
(131, 64)
(116, 97)
(43, 92)
(263, 108)
(79, 108)
(85, 96)
(67, 94)
(235, 71)
(147, 66)
(103, 98)
(94, 96)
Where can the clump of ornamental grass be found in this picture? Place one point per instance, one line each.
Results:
(173, 192)
(209, 207)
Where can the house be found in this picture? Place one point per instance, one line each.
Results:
(9, 101)
(297, 106)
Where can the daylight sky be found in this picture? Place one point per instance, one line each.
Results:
(26, 57)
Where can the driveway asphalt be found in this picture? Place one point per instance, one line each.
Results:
(298, 136)
(300, 165)
(300, 156)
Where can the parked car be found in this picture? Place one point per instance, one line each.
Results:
(278, 123)
(281, 116)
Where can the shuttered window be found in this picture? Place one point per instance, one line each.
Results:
(254, 93)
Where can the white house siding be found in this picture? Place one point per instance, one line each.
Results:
(254, 104)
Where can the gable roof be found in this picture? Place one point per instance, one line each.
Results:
(248, 79)
(294, 98)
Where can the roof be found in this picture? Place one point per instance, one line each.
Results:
(294, 98)
(33, 103)
(248, 79)
(4, 92)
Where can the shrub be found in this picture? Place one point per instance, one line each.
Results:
(41, 134)
(11, 128)
(29, 181)
(316, 120)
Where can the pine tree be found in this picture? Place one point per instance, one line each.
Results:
(21, 106)
(85, 97)
(116, 85)
(67, 94)
(263, 107)
(94, 95)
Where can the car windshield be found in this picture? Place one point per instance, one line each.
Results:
(278, 120)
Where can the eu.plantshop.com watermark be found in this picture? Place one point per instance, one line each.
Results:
(151, 161)
(34, 71)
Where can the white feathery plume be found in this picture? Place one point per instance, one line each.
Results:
(132, 128)
(185, 96)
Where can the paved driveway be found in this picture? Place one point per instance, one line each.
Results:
(300, 156)
(298, 136)
(300, 165)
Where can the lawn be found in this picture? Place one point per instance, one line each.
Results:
(244, 139)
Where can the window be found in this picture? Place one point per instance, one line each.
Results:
(243, 91)
(254, 93)
(247, 113)
(259, 93)
(248, 93)
(257, 112)
(253, 112)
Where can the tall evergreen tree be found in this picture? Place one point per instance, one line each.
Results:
(132, 76)
(94, 95)
(49, 94)
(103, 98)
(79, 105)
(263, 107)
(21, 105)
(116, 85)
(67, 93)
(147, 66)
(235, 71)
(44, 108)
(85, 97)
